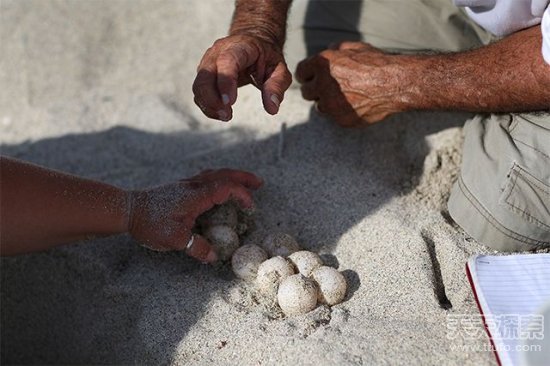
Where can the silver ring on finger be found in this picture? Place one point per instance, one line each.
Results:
(190, 243)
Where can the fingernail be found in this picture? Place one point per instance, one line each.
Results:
(222, 114)
(225, 99)
(275, 100)
(211, 257)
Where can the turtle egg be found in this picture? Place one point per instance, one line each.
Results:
(280, 244)
(224, 239)
(332, 285)
(297, 295)
(272, 272)
(246, 260)
(305, 262)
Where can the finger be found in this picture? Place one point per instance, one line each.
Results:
(200, 249)
(227, 87)
(232, 62)
(274, 88)
(207, 97)
(228, 77)
(247, 179)
(217, 193)
(222, 191)
(221, 115)
(304, 70)
(309, 90)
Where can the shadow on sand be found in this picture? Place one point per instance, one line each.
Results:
(111, 301)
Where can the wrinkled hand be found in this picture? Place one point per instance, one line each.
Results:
(354, 83)
(162, 218)
(235, 61)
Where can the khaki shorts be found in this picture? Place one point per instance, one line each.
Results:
(502, 196)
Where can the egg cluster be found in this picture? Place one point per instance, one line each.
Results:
(297, 279)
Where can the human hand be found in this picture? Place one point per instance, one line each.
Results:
(235, 61)
(162, 218)
(355, 83)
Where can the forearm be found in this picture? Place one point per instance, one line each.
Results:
(41, 208)
(508, 76)
(262, 18)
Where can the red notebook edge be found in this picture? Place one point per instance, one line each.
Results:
(493, 347)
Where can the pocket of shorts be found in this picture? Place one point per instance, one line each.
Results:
(528, 197)
(532, 131)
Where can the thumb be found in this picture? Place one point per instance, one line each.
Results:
(199, 248)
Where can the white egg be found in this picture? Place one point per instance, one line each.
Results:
(271, 273)
(280, 244)
(297, 295)
(332, 285)
(224, 239)
(246, 260)
(305, 262)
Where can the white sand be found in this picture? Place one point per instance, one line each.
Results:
(103, 89)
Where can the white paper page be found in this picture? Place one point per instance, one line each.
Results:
(510, 289)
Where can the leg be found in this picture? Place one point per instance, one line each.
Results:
(502, 197)
(401, 26)
(393, 25)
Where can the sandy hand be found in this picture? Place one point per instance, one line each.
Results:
(238, 60)
(162, 218)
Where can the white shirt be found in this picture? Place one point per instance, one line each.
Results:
(503, 17)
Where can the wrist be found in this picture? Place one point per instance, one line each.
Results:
(135, 203)
(264, 20)
(117, 208)
(260, 34)
(417, 91)
(399, 77)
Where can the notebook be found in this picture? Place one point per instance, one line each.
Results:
(511, 292)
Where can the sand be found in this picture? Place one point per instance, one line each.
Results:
(103, 89)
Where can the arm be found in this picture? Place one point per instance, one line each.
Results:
(507, 76)
(357, 84)
(261, 18)
(253, 52)
(42, 208)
